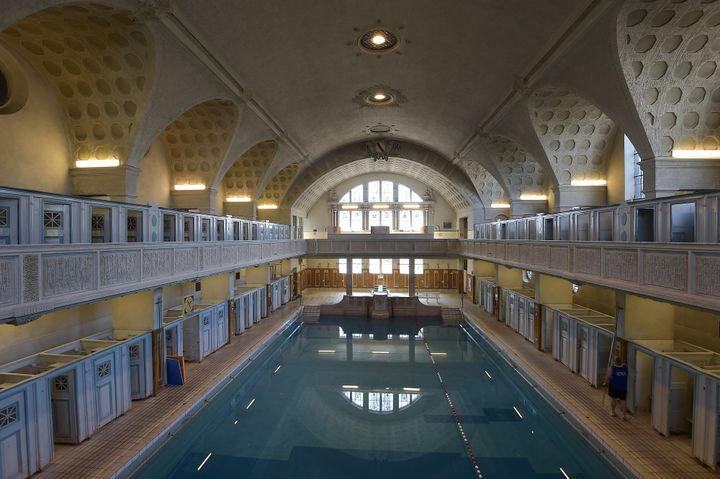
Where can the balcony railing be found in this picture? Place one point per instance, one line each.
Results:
(40, 278)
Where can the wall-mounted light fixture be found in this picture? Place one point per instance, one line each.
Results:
(267, 207)
(697, 154)
(533, 197)
(500, 205)
(110, 163)
(238, 199)
(588, 182)
(575, 288)
(190, 187)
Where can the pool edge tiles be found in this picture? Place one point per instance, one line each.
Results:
(611, 455)
(154, 445)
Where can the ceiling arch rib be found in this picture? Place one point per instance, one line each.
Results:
(418, 155)
(283, 163)
(100, 60)
(575, 134)
(441, 184)
(197, 141)
(669, 55)
(518, 172)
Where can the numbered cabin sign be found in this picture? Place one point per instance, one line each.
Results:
(188, 304)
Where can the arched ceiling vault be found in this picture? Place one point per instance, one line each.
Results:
(197, 141)
(100, 60)
(245, 175)
(669, 55)
(515, 170)
(460, 190)
(575, 134)
(320, 186)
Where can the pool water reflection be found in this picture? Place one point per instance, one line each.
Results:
(347, 398)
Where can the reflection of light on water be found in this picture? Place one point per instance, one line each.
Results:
(343, 335)
(381, 402)
(206, 460)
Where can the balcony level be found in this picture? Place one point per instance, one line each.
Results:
(37, 279)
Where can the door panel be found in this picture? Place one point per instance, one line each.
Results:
(137, 371)
(63, 398)
(8, 221)
(13, 452)
(55, 223)
(105, 389)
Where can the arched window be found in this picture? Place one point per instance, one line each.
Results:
(381, 203)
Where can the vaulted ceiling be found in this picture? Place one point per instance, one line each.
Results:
(454, 63)
(514, 96)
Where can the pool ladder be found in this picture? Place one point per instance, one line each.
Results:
(452, 314)
(311, 313)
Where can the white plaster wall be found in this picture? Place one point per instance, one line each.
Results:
(35, 153)
(319, 217)
(53, 330)
(153, 183)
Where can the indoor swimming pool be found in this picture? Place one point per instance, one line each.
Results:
(349, 398)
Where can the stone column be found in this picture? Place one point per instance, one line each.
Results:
(411, 347)
(349, 347)
(411, 277)
(348, 277)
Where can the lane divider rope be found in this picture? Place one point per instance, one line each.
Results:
(456, 416)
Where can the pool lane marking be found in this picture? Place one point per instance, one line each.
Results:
(456, 416)
(203, 463)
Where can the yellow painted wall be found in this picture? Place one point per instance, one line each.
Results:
(597, 298)
(34, 152)
(153, 183)
(552, 290)
(484, 268)
(215, 288)
(509, 277)
(52, 330)
(135, 311)
(648, 319)
(698, 327)
(259, 275)
(173, 294)
(616, 169)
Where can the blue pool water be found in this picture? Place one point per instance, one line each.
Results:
(361, 399)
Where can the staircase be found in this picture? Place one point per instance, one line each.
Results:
(311, 313)
(452, 315)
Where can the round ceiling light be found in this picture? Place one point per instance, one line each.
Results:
(378, 40)
(380, 98)
(380, 129)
